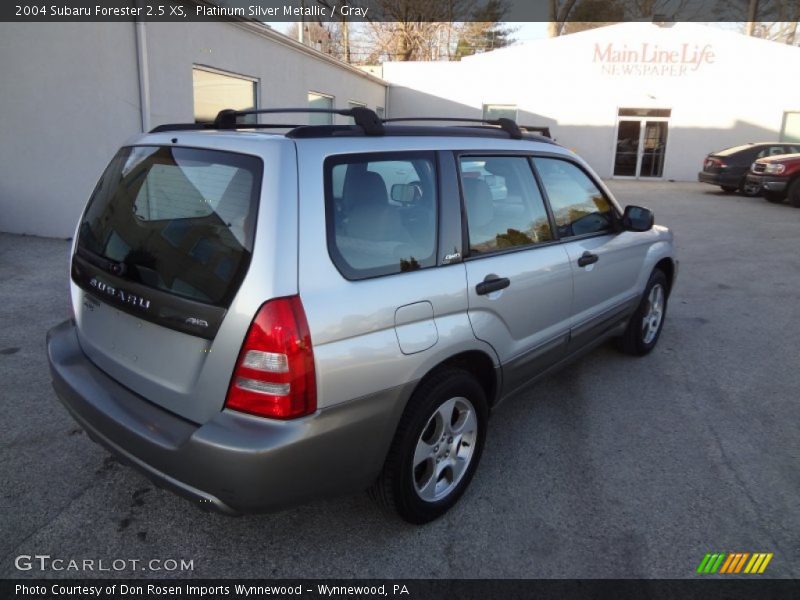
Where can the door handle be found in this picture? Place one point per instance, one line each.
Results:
(587, 258)
(492, 283)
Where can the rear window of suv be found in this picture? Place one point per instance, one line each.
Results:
(180, 220)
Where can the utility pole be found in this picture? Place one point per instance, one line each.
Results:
(752, 17)
(301, 29)
(346, 39)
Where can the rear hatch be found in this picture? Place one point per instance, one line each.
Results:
(161, 252)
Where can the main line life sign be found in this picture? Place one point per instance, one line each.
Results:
(648, 59)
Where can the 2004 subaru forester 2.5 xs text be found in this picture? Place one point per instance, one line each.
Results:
(262, 318)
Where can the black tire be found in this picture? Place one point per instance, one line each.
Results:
(794, 193)
(728, 189)
(395, 490)
(774, 197)
(636, 341)
(751, 190)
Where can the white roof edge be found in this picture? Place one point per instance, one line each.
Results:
(280, 38)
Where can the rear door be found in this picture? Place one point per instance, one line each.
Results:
(162, 250)
(518, 277)
(606, 263)
(380, 277)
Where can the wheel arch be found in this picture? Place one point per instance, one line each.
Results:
(667, 265)
(476, 362)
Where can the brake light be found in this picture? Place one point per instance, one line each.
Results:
(274, 375)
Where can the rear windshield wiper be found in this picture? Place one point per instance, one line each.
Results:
(102, 262)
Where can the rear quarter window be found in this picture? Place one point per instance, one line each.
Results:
(381, 212)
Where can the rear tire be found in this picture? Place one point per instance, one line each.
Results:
(436, 448)
(644, 328)
(728, 189)
(794, 193)
(774, 197)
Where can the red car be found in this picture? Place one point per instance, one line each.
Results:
(778, 177)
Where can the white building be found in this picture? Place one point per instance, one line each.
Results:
(72, 93)
(634, 99)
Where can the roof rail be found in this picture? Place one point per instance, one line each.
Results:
(508, 125)
(363, 117)
(540, 129)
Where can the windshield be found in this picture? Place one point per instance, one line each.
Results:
(180, 220)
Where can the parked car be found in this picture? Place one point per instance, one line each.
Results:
(728, 168)
(778, 177)
(256, 323)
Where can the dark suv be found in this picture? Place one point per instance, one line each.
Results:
(728, 168)
(778, 177)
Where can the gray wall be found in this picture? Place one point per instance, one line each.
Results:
(70, 98)
(285, 73)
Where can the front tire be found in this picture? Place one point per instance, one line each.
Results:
(751, 190)
(644, 328)
(436, 448)
(728, 189)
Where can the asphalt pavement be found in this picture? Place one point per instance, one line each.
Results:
(614, 467)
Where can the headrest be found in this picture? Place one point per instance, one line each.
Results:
(478, 198)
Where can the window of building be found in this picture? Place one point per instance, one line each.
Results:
(503, 203)
(579, 207)
(215, 90)
(497, 111)
(354, 104)
(790, 130)
(645, 112)
(316, 100)
(381, 212)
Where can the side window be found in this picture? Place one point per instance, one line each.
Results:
(503, 204)
(578, 205)
(771, 151)
(382, 213)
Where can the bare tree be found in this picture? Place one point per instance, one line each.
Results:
(773, 20)
(327, 37)
(416, 29)
(570, 16)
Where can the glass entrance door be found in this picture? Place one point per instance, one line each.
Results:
(626, 160)
(654, 144)
(641, 142)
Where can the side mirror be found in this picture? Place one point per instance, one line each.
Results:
(637, 218)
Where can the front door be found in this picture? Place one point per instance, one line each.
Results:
(641, 143)
(605, 262)
(519, 279)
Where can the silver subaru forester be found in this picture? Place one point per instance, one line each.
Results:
(264, 318)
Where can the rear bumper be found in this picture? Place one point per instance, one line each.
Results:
(234, 463)
(769, 183)
(726, 179)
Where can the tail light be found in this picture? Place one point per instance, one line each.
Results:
(274, 375)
